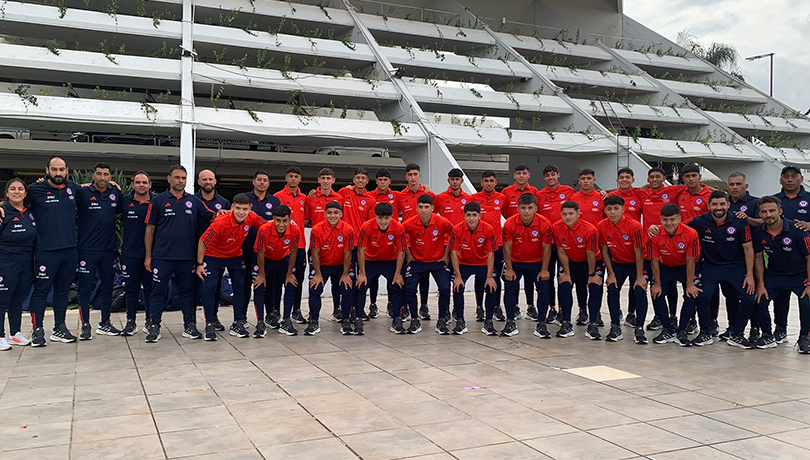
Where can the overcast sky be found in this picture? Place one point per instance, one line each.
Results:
(753, 27)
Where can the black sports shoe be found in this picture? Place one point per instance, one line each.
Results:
(725, 335)
(390, 310)
(703, 339)
(191, 332)
(107, 329)
(461, 327)
(405, 313)
(210, 332)
(740, 342)
(655, 324)
(424, 312)
(441, 326)
(218, 325)
(673, 320)
(87, 332)
(238, 330)
(531, 313)
(130, 329)
(396, 326)
(541, 330)
(666, 337)
(286, 327)
(261, 331)
(615, 333)
(298, 317)
(455, 316)
(272, 320)
(780, 335)
(630, 319)
(312, 328)
(715, 328)
(803, 344)
(61, 334)
(692, 327)
(498, 315)
(682, 339)
(599, 322)
(754, 335)
(358, 326)
(582, 318)
(639, 338)
(479, 314)
(153, 335)
(38, 338)
(363, 316)
(566, 330)
(552, 317)
(518, 313)
(592, 332)
(765, 342)
(415, 327)
(373, 311)
(489, 328)
(346, 327)
(509, 329)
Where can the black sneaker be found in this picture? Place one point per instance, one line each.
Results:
(541, 330)
(582, 318)
(272, 320)
(489, 328)
(441, 327)
(107, 329)
(153, 335)
(286, 327)
(210, 332)
(665, 337)
(238, 330)
(566, 330)
(518, 313)
(682, 339)
(424, 312)
(396, 326)
(655, 325)
(592, 332)
(531, 313)
(298, 317)
(390, 310)
(692, 327)
(346, 327)
(639, 338)
(62, 334)
(715, 328)
(740, 342)
(358, 326)
(673, 320)
(552, 317)
(130, 329)
(803, 344)
(754, 335)
(599, 322)
(615, 333)
(479, 314)
(703, 339)
(87, 332)
(725, 335)
(780, 335)
(415, 327)
(363, 316)
(461, 327)
(260, 332)
(765, 342)
(498, 315)
(38, 338)
(218, 325)
(509, 329)
(312, 328)
(191, 332)
(630, 319)
(405, 314)
(373, 311)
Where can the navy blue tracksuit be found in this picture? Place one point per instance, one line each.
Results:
(263, 208)
(626, 272)
(750, 206)
(480, 273)
(98, 246)
(217, 203)
(133, 254)
(275, 272)
(56, 254)
(174, 250)
(374, 270)
(669, 277)
(330, 273)
(236, 269)
(796, 208)
(18, 233)
(414, 273)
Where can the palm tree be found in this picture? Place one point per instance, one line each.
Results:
(722, 55)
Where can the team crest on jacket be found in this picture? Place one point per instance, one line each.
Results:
(218, 206)
(699, 201)
(340, 238)
(435, 232)
(287, 241)
(731, 230)
(535, 233)
(42, 268)
(579, 239)
(665, 196)
(363, 202)
(595, 203)
(480, 240)
(463, 201)
(626, 237)
(786, 241)
(390, 196)
(743, 208)
(268, 205)
(632, 202)
(70, 192)
(112, 196)
(681, 245)
(802, 203)
(391, 237)
(246, 227)
(562, 196)
(188, 204)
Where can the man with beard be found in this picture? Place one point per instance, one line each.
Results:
(134, 207)
(207, 193)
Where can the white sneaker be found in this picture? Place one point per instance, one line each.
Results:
(4, 345)
(19, 339)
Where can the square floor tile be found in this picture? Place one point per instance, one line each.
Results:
(601, 373)
(462, 434)
(643, 439)
(703, 429)
(390, 444)
(578, 446)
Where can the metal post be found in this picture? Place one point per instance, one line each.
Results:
(771, 93)
(187, 153)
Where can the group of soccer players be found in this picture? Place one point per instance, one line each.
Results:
(650, 238)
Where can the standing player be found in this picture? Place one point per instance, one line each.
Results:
(472, 252)
(98, 206)
(694, 201)
(136, 277)
(577, 243)
(207, 181)
(263, 204)
(276, 250)
(316, 205)
(358, 208)
(292, 197)
(407, 204)
(171, 250)
(219, 248)
(527, 242)
(632, 209)
(492, 203)
(427, 254)
(622, 247)
(450, 203)
(384, 194)
(591, 208)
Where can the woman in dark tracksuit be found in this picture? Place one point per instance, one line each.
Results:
(18, 232)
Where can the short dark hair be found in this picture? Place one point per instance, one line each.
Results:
(326, 172)
(472, 206)
(769, 199)
(570, 204)
(333, 205)
(455, 172)
(384, 209)
(587, 172)
(737, 174)
(658, 170)
(718, 194)
(176, 167)
(148, 177)
(425, 199)
(550, 168)
(670, 210)
(102, 166)
(361, 171)
(488, 173)
(527, 198)
(281, 211)
(294, 170)
(690, 168)
(613, 200)
(626, 171)
(383, 172)
(242, 198)
(522, 167)
(412, 167)
(261, 172)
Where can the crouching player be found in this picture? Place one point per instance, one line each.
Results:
(276, 253)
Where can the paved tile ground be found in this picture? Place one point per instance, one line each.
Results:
(383, 396)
